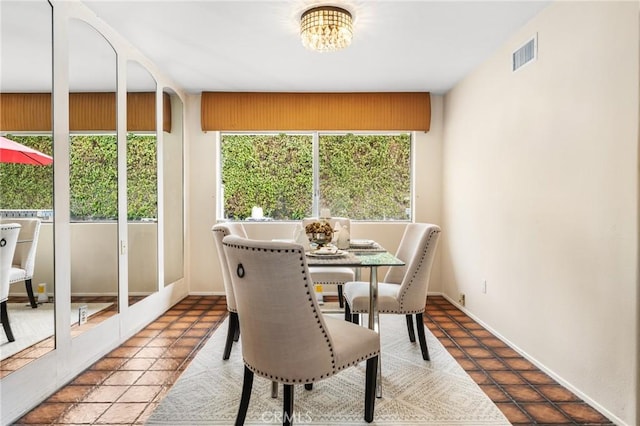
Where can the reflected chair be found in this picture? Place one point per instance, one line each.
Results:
(404, 288)
(285, 338)
(8, 239)
(334, 275)
(219, 232)
(24, 258)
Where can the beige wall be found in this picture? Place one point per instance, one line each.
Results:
(173, 200)
(541, 198)
(203, 269)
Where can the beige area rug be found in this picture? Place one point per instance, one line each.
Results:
(415, 392)
(30, 326)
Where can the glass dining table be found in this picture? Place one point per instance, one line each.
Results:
(359, 258)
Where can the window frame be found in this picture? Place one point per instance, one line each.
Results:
(219, 208)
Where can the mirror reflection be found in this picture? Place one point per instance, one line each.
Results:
(93, 177)
(142, 183)
(173, 187)
(26, 292)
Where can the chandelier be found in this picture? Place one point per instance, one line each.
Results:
(326, 28)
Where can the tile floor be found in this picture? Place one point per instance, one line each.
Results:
(526, 395)
(127, 384)
(24, 357)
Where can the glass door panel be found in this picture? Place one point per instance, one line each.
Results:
(93, 177)
(173, 188)
(27, 189)
(142, 183)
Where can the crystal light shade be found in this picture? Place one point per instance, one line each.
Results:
(326, 28)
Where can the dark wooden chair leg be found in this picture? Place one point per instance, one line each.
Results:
(32, 298)
(287, 415)
(340, 299)
(231, 332)
(247, 384)
(308, 386)
(421, 338)
(412, 335)
(370, 388)
(355, 318)
(347, 312)
(4, 317)
(236, 335)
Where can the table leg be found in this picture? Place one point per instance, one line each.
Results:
(374, 320)
(373, 299)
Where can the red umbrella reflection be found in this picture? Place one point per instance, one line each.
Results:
(14, 152)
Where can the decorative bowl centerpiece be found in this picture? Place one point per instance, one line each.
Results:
(319, 233)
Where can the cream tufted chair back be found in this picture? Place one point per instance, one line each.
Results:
(281, 317)
(219, 232)
(404, 289)
(285, 337)
(418, 250)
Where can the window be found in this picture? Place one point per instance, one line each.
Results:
(291, 176)
(94, 177)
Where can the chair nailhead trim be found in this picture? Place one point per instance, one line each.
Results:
(335, 369)
(315, 312)
(402, 297)
(424, 253)
(287, 380)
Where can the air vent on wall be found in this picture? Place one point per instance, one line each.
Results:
(525, 54)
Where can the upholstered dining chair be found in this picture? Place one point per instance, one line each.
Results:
(219, 232)
(8, 239)
(285, 338)
(333, 275)
(24, 258)
(404, 288)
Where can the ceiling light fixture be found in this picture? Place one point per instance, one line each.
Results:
(326, 28)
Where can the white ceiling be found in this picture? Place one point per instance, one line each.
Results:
(255, 46)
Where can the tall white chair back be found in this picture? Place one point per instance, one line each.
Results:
(8, 240)
(24, 259)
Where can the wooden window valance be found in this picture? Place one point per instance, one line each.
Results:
(88, 111)
(251, 111)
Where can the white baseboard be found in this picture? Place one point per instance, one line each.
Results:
(221, 293)
(83, 294)
(206, 293)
